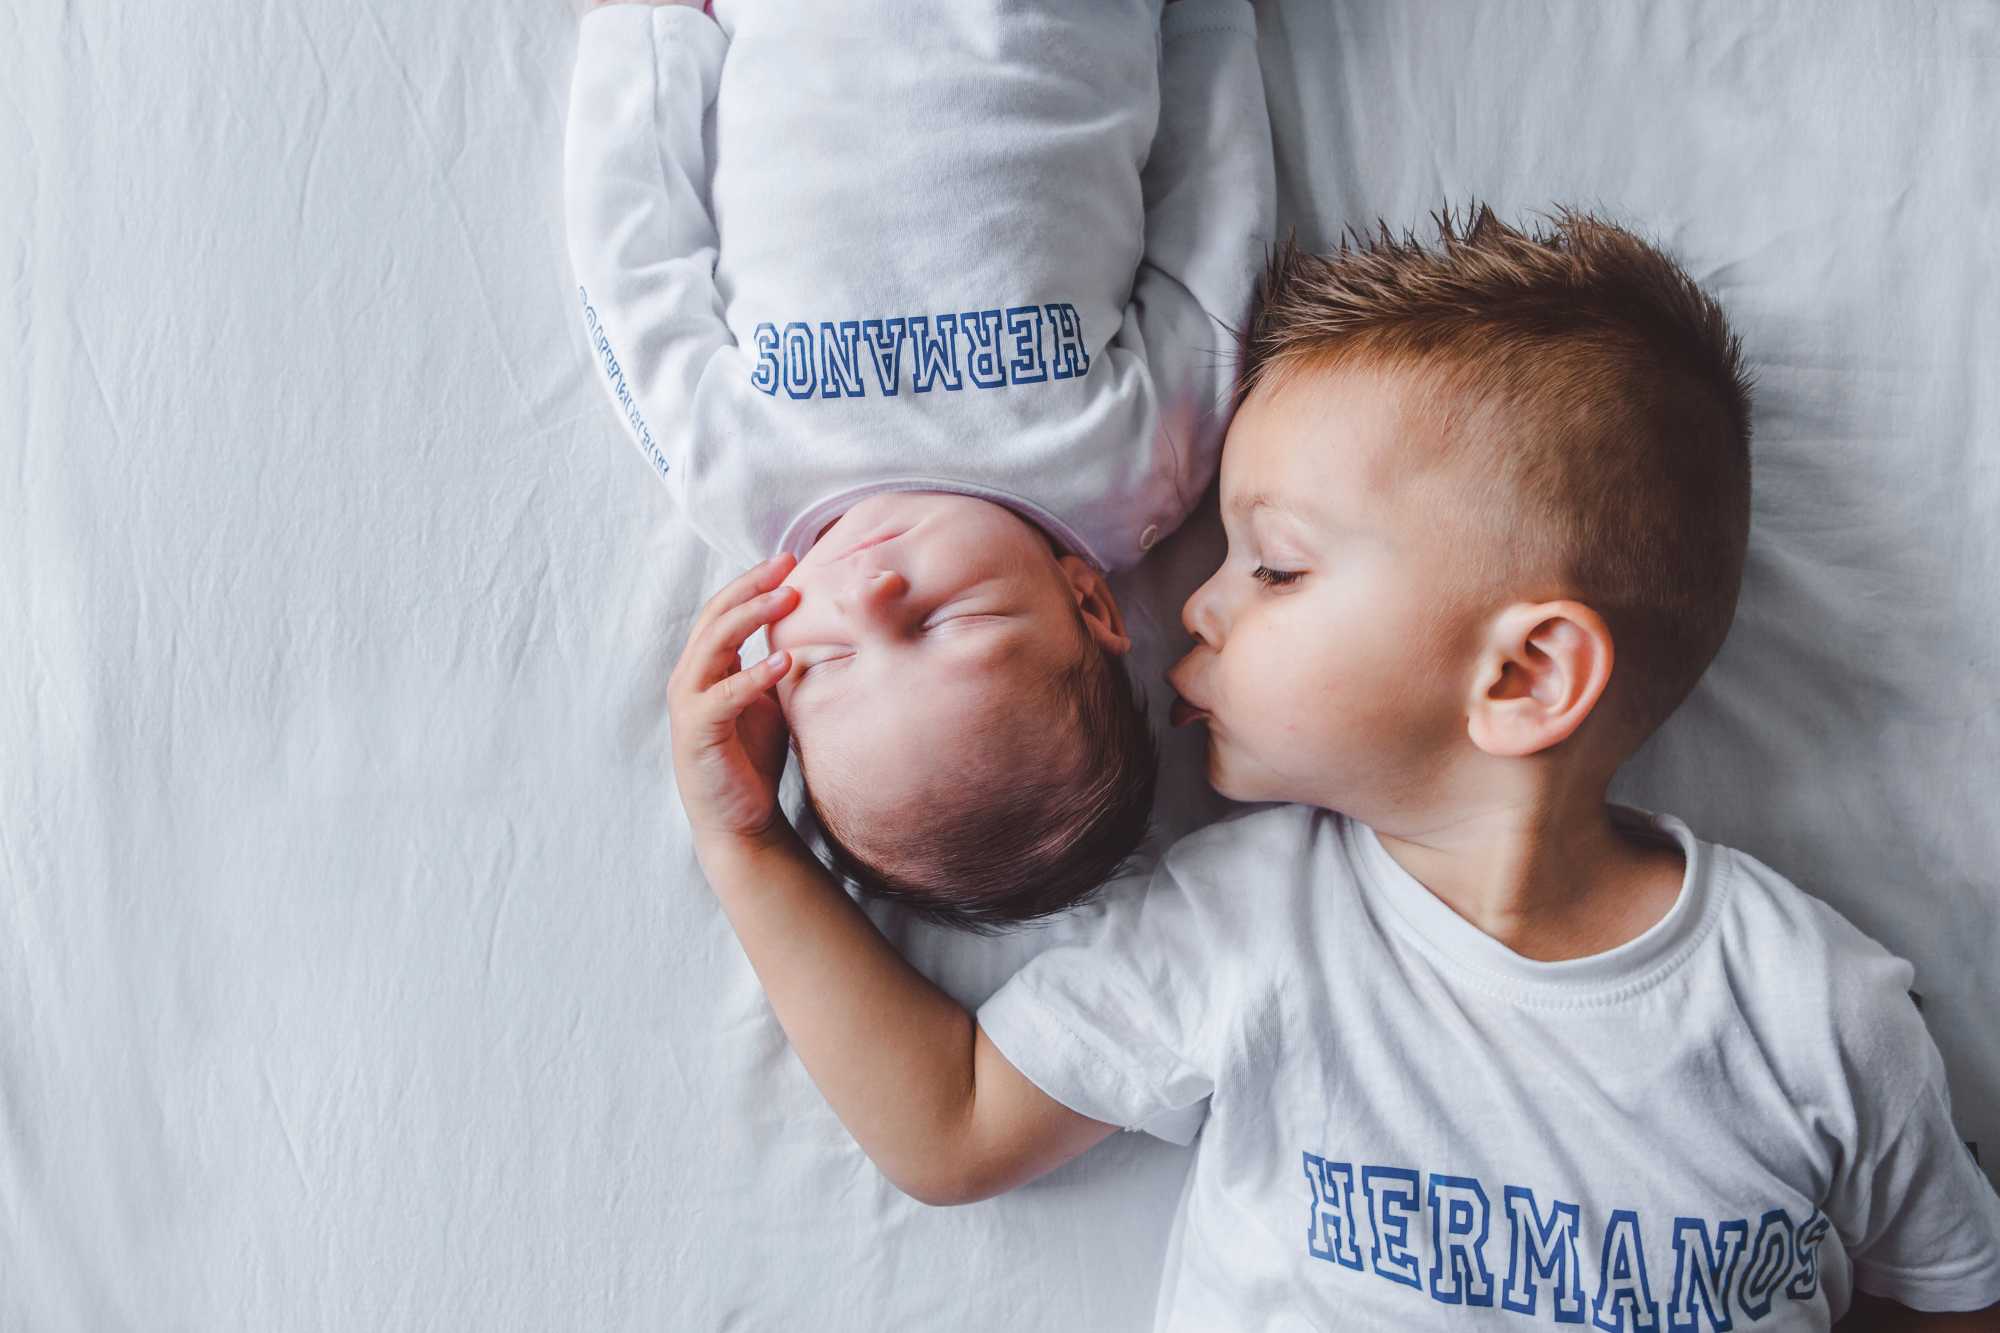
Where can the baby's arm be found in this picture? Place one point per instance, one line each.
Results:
(1211, 213)
(905, 1067)
(583, 7)
(642, 241)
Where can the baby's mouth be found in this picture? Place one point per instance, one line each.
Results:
(1184, 712)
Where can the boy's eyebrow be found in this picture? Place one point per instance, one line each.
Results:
(1245, 505)
(1309, 512)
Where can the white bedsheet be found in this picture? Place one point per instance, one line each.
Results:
(354, 971)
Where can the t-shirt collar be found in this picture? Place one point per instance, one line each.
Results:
(1462, 946)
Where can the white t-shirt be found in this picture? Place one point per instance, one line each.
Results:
(988, 247)
(1734, 1119)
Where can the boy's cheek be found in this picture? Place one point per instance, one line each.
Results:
(1241, 736)
(1244, 773)
(1224, 774)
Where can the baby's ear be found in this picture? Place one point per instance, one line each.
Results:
(1097, 605)
(1542, 668)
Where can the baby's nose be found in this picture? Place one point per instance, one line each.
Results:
(873, 591)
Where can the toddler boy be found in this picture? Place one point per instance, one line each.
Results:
(932, 299)
(1476, 1048)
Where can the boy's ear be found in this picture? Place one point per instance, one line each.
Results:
(1542, 668)
(1096, 604)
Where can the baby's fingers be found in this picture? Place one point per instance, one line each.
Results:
(757, 579)
(738, 609)
(724, 702)
(714, 649)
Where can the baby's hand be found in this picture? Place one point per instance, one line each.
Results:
(728, 734)
(583, 7)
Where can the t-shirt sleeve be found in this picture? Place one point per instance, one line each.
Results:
(642, 239)
(1920, 1220)
(1209, 185)
(1211, 214)
(1122, 1024)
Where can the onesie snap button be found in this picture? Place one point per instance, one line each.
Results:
(1149, 536)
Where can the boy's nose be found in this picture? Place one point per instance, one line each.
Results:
(1201, 614)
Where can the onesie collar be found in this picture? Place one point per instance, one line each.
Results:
(804, 529)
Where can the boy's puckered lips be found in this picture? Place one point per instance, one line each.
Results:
(1185, 710)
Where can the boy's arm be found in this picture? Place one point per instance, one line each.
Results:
(1872, 1314)
(903, 1065)
(642, 241)
(1917, 1216)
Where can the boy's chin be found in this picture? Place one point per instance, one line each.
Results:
(1235, 777)
(1227, 779)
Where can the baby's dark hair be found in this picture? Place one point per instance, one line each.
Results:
(1033, 849)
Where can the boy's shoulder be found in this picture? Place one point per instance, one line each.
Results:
(1838, 994)
(1269, 845)
(1230, 887)
(1805, 971)
(1812, 977)
(1801, 933)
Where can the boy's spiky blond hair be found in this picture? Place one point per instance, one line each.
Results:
(1597, 390)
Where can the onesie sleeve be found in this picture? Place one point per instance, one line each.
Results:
(1918, 1217)
(1125, 1023)
(642, 240)
(1210, 193)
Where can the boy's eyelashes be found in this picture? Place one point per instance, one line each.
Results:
(1276, 578)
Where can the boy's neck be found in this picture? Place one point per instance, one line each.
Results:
(1551, 878)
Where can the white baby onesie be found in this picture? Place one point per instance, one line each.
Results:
(987, 247)
(1734, 1120)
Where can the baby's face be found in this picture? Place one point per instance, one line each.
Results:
(1334, 646)
(926, 624)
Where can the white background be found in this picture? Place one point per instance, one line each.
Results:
(354, 970)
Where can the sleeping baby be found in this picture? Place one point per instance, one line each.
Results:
(937, 302)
